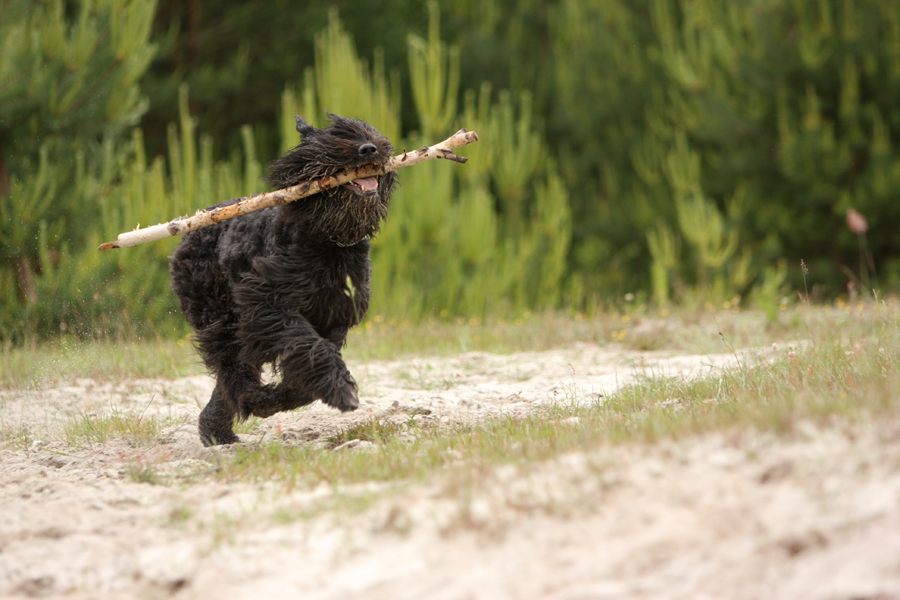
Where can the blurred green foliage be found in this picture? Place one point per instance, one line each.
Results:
(488, 237)
(786, 110)
(755, 125)
(89, 293)
(680, 150)
(68, 91)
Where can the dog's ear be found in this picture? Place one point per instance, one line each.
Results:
(303, 128)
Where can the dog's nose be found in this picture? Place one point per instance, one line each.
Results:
(367, 150)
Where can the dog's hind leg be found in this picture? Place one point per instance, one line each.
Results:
(237, 382)
(239, 393)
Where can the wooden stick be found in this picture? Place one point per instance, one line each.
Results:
(257, 202)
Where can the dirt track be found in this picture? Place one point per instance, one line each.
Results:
(745, 515)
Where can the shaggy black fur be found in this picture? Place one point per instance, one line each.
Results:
(284, 285)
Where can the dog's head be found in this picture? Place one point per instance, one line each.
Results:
(350, 212)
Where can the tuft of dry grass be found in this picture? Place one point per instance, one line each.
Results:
(92, 428)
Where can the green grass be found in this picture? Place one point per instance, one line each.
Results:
(248, 426)
(143, 472)
(179, 516)
(49, 363)
(375, 431)
(88, 429)
(849, 371)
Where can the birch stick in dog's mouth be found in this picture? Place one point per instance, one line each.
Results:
(359, 177)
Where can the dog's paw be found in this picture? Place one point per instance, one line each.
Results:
(344, 398)
(220, 438)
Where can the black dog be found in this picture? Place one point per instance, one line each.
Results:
(284, 285)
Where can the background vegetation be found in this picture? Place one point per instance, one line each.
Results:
(676, 150)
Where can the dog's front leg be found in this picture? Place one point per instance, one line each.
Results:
(217, 419)
(311, 366)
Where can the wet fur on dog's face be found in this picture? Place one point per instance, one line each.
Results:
(348, 213)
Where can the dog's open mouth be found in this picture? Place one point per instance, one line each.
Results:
(366, 185)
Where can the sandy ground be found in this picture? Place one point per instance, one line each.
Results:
(736, 515)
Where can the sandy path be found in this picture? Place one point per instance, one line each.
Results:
(717, 516)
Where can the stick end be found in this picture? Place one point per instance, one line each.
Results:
(108, 245)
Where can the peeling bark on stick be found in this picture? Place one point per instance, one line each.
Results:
(302, 190)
